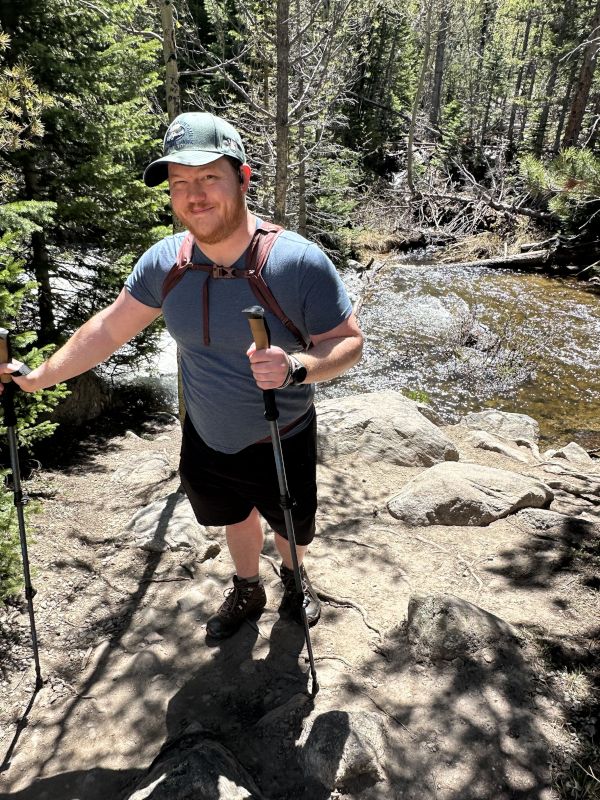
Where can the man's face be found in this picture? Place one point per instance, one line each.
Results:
(209, 200)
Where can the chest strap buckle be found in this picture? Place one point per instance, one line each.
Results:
(222, 272)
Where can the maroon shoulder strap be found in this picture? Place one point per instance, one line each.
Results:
(256, 258)
(181, 266)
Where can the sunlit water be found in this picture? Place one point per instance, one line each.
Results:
(471, 338)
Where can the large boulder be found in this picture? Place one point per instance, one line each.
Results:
(381, 426)
(442, 627)
(466, 494)
(204, 770)
(339, 747)
(170, 524)
(515, 427)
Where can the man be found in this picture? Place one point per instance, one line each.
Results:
(227, 467)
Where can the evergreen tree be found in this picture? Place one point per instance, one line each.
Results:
(100, 130)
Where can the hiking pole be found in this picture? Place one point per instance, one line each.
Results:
(20, 500)
(260, 331)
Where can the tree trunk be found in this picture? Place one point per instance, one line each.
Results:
(302, 206)
(584, 84)
(172, 94)
(594, 135)
(489, 11)
(537, 145)
(520, 74)
(40, 260)
(559, 28)
(438, 72)
(530, 80)
(282, 128)
(564, 108)
(417, 99)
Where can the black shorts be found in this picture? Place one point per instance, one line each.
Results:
(223, 488)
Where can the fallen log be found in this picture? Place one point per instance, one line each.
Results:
(527, 247)
(536, 258)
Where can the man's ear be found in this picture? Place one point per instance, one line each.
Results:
(244, 175)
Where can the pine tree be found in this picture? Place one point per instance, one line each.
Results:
(100, 130)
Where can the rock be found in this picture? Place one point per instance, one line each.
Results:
(442, 627)
(466, 494)
(201, 770)
(573, 453)
(566, 503)
(429, 413)
(191, 601)
(381, 426)
(543, 520)
(145, 470)
(338, 747)
(280, 719)
(169, 524)
(565, 479)
(502, 423)
(532, 446)
(487, 441)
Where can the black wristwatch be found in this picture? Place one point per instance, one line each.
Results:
(297, 371)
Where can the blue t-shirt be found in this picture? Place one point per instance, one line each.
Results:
(221, 397)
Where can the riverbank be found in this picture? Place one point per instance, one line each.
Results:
(502, 711)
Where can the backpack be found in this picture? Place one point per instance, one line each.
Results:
(257, 254)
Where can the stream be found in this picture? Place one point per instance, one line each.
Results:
(464, 339)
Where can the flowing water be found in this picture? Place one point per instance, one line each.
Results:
(471, 338)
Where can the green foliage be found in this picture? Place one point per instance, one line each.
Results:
(98, 134)
(337, 177)
(10, 560)
(418, 395)
(19, 220)
(569, 185)
(453, 134)
(21, 105)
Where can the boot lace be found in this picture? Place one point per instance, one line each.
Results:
(236, 599)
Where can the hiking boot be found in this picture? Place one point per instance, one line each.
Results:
(293, 601)
(242, 601)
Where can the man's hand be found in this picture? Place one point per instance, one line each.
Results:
(24, 382)
(270, 367)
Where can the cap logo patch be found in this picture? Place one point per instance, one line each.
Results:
(230, 144)
(174, 134)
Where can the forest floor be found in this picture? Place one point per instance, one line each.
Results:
(127, 667)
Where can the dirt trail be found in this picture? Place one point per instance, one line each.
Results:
(127, 669)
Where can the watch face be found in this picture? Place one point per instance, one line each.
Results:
(298, 374)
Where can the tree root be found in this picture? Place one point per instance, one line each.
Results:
(344, 602)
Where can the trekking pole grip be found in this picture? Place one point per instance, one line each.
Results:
(5, 353)
(262, 338)
(260, 332)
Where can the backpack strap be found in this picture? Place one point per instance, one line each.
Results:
(256, 258)
(257, 254)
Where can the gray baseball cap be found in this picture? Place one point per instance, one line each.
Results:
(194, 139)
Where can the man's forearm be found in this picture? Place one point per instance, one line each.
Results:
(88, 347)
(330, 358)
(93, 343)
